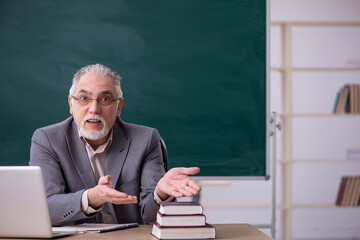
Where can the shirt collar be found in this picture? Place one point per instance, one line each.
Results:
(102, 147)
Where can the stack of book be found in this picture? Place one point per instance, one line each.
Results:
(349, 192)
(182, 220)
(348, 99)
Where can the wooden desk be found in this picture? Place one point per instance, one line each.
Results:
(223, 231)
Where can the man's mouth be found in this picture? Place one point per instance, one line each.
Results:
(93, 127)
(93, 121)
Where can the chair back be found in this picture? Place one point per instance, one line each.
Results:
(164, 153)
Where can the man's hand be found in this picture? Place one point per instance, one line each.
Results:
(103, 192)
(177, 183)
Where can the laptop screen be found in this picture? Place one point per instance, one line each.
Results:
(24, 208)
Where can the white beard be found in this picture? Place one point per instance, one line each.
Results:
(97, 134)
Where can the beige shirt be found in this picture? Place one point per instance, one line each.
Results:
(98, 159)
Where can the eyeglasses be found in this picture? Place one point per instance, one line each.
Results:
(103, 100)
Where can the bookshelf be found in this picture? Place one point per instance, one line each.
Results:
(288, 160)
(240, 207)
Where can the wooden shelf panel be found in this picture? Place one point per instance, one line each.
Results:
(280, 207)
(316, 69)
(323, 115)
(315, 24)
(239, 206)
(322, 206)
(325, 69)
(325, 161)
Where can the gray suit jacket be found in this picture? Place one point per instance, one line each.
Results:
(135, 164)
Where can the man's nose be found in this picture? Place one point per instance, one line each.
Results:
(94, 106)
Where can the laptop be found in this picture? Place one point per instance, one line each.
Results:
(23, 204)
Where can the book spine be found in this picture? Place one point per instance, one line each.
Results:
(336, 102)
(358, 98)
(346, 192)
(341, 191)
(352, 98)
(347, 100)
(356, 192)
(340, 102)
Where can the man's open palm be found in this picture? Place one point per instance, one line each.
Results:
(177, 183)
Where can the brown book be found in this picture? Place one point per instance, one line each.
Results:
(352, 191)
(341, 101)
(352, 98)
(351, 183)
(341, 191)
(345, 198)
(347, 99)
(357, 98)
(344, 98)
(336, 101)
(356, 192)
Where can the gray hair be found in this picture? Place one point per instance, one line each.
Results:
(98, 69)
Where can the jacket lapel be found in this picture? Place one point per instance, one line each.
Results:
(79, 156)
(117, 153)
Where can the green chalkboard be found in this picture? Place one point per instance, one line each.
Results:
(195, 70)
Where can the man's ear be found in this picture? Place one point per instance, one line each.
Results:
(70, 104)
(120, 105)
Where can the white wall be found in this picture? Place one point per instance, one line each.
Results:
(313, 138)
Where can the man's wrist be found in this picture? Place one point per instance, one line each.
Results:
(165, 198)
(85, 207)
(92, 198)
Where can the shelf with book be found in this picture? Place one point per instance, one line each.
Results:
(293, 73)
(348, 192)
(347, 100)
